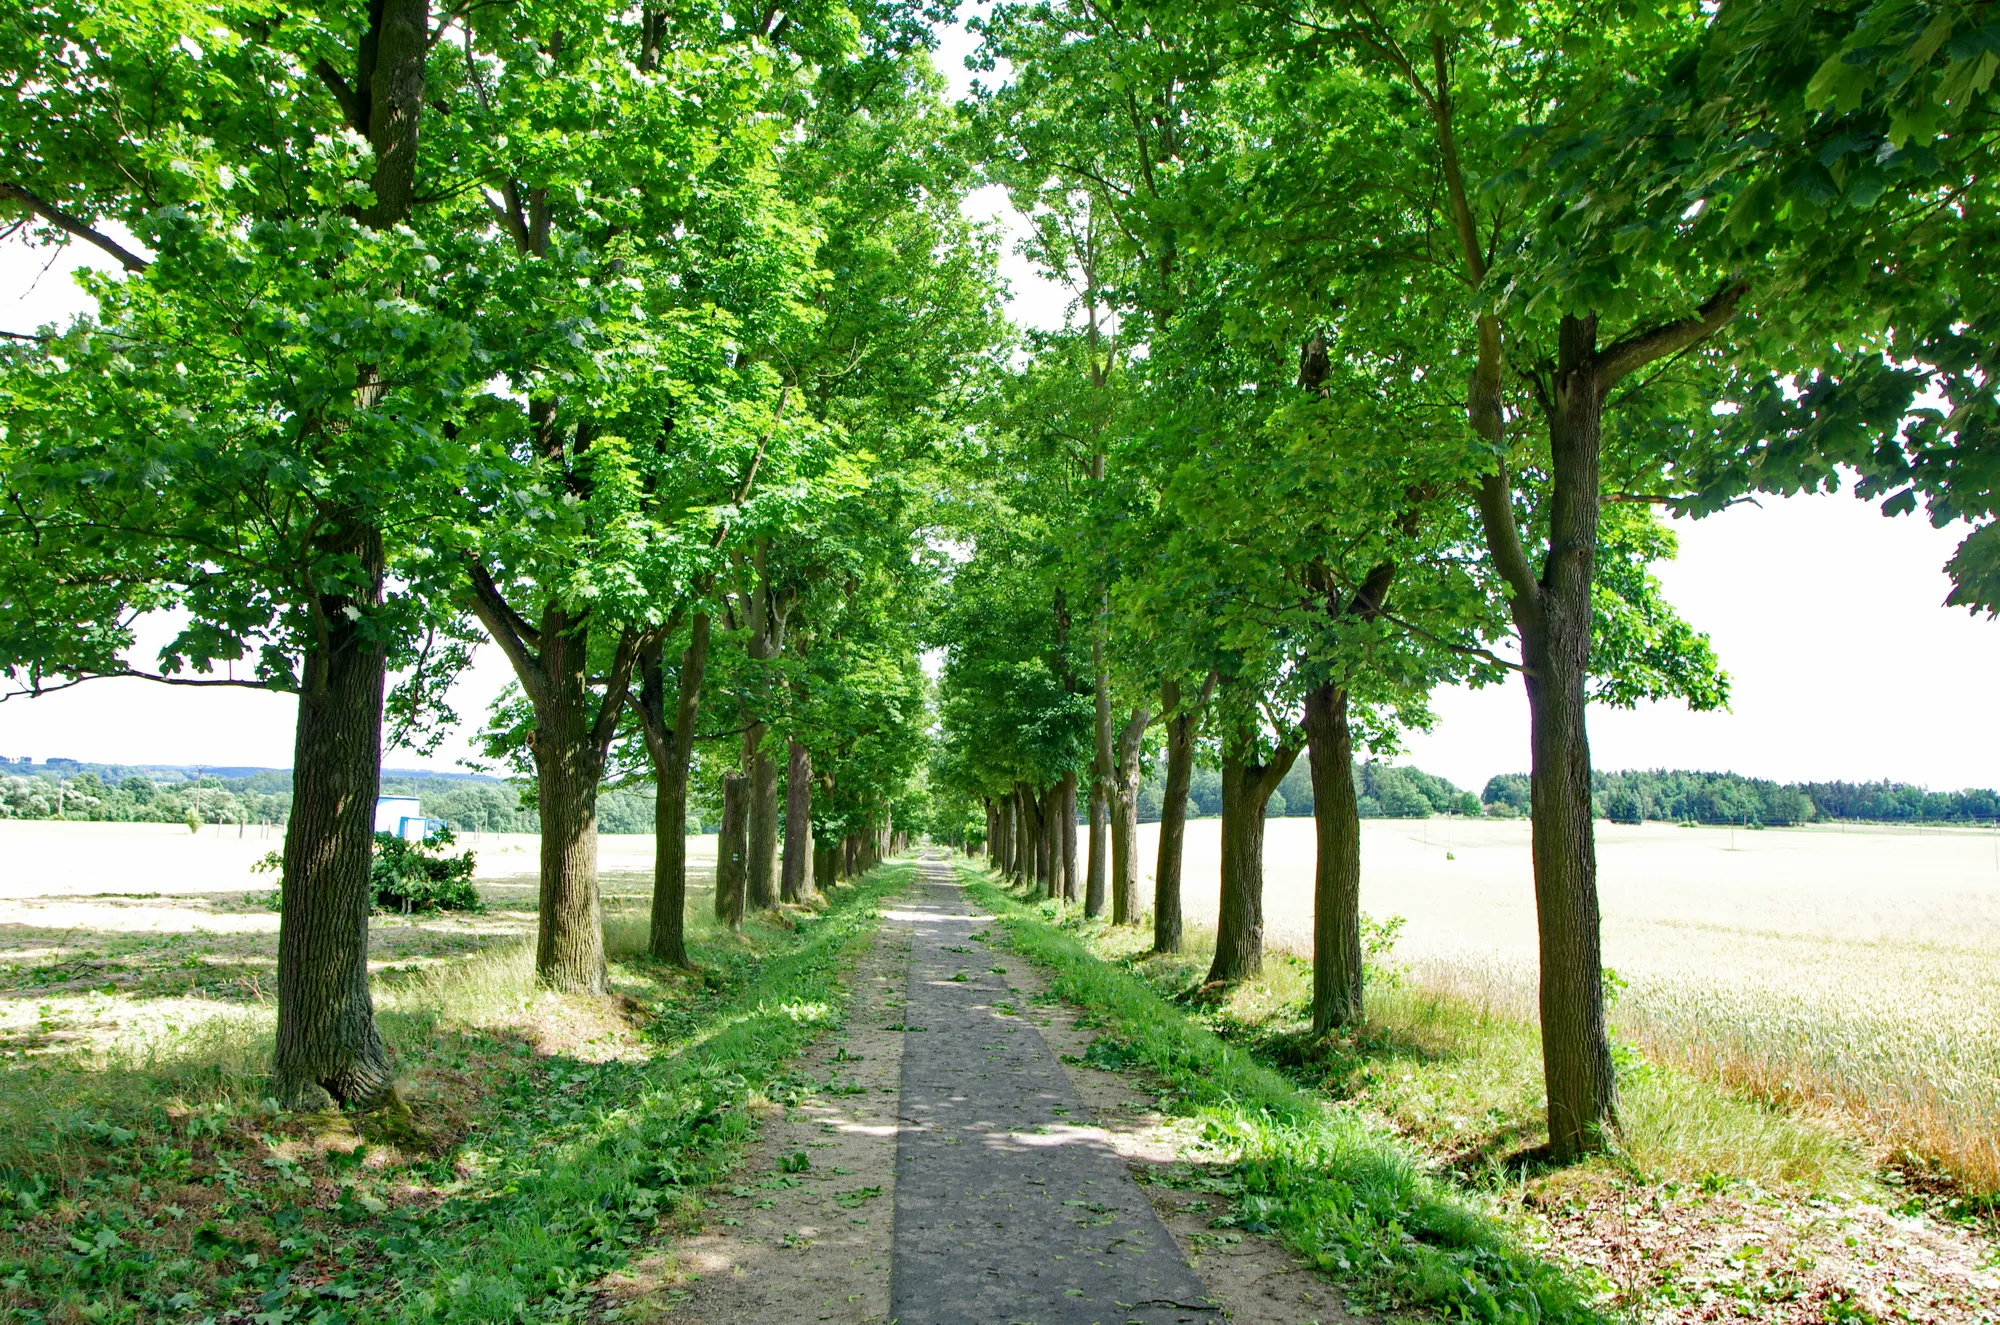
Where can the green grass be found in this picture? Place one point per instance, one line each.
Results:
(547, 1139)
(1342, 1191)
(1462, 1075)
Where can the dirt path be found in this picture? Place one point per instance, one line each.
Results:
(1009, 1205)
(788, 1243)
(960, 1165)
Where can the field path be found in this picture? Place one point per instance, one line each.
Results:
(1009, 1205)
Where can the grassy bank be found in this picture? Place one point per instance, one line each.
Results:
(1717, 1203)
(546, 1138)
(1339, 1188)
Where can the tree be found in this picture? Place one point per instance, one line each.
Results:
(227, 436)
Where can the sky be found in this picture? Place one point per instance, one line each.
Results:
(1827, 616)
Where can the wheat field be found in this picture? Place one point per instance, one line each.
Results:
(1854, 971)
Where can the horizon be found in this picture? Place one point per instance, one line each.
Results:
(14, 764)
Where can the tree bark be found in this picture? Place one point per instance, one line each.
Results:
(762, 831)
(1337, 992)
(1101, 770)
(569, 763)
(327, 1044)
(1052, 839)
(1167, 921)
(1096, 875)
(765, 617)
(671, 749)
(1067, 825)
(797, 880)
(732, 850)
(826, 865)
(1246, 793)
(1124, 810)
(1555, 649)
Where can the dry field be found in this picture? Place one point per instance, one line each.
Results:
(1852, 970)
(111, 931)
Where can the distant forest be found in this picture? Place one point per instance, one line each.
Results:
(71, 789)
(1391, 791)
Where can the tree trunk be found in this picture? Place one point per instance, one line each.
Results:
(826, 865)
(798, 881)
(1097, 871)
(569, 763)
(1101, 769)
(1003, 836)
(761, 891)
(851, 849)
(1167, 921)
(1068, 827)
(1337, 989)
(1024, 837)
(1052, 840)
(327, 1044)
(671, 750)
(1124, 809)
(1555, 649)
(1124, 855)
(1246, 792)
(732, 851)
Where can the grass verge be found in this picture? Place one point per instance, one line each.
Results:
(1341, 1191)
(548, 1138)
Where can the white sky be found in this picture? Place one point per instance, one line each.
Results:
(1826, 615)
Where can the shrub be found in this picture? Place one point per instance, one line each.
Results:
(418, 876)
(406, 876)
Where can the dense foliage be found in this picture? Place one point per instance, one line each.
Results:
(652, 346)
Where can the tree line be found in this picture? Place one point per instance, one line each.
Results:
(109, 794)
(1394, 331)
(1678, 796)
(651, 348)
(1382, 791)
(622, 340)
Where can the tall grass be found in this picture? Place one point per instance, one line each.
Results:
(1451, 1054)
(1921, 1077)
(1911, 1069)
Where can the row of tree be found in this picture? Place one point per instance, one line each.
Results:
(622, 338)
(1394, 327)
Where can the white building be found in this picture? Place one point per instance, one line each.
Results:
(402, 816)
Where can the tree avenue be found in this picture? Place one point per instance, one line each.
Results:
(652, 351)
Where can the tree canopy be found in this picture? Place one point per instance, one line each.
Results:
(652, 348)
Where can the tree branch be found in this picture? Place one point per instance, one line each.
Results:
(506, 628)
(1640, 348)
(36, 688)
(1503, 539)
(622, 662)
(75, 225)
(350, 104)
